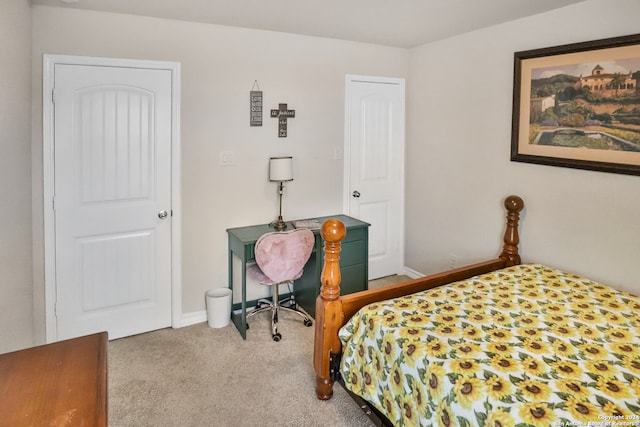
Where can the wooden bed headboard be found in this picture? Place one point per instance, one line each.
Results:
(333, 310)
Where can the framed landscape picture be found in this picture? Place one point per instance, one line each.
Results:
(578, 105)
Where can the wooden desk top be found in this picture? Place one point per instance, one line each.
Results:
(58, 384)
(250, 234)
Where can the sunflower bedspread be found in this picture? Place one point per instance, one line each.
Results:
(523, 346)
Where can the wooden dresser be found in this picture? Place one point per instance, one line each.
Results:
(58, 384)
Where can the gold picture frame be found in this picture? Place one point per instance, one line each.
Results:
(578, 105)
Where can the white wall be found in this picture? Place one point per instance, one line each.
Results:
(16, 295)
(458, 169)
(219, 66)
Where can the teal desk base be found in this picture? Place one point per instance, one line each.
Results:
(353, 265)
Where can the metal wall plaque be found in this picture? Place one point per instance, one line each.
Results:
(256, 108)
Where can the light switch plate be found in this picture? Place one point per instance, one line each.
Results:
(227, 158)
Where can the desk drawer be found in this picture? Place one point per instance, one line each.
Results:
(353, 279)
(355, 234)
(352, 253)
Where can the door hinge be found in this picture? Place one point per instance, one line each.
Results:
(53, 95)
(53, 203)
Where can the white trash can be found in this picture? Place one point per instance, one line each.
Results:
(218, 307)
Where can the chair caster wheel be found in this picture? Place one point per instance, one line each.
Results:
(276, 337)
(308, 322)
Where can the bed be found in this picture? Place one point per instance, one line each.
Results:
(496, 343)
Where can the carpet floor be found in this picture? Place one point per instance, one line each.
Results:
(199, 377)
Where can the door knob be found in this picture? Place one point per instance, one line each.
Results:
(356, 194)
(162, 214)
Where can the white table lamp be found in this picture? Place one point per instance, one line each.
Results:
(280, 170)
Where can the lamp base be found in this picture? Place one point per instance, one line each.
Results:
(279, 224)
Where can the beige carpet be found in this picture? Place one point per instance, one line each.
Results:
(198, 376)
(387, 280)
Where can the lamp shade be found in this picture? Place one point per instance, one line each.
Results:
(281, 169)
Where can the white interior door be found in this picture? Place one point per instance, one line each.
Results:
(112, 202)
(374, 167)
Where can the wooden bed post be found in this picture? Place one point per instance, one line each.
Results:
(514, 205)
(328, 309)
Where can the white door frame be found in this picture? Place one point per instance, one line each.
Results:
(346, 181)
(49, 62)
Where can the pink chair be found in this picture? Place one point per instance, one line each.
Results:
(280, 259)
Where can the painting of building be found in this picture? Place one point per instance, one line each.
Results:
(607, 84)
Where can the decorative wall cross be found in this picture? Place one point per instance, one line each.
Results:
(283, 114)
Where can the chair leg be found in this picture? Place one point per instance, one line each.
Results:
(293, 308)
(259, 309)
(274, 314)
(305, 316)
(262, 301)
(275, 307)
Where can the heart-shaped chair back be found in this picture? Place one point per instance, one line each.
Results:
(282, 255)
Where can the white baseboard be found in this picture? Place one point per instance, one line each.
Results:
(192, 318)
(412, 273)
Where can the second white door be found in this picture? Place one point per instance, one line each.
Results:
(112, 200)
(374, 167)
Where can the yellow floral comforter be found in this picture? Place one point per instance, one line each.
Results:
(524, 346)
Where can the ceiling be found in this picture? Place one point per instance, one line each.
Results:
(400, 23)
